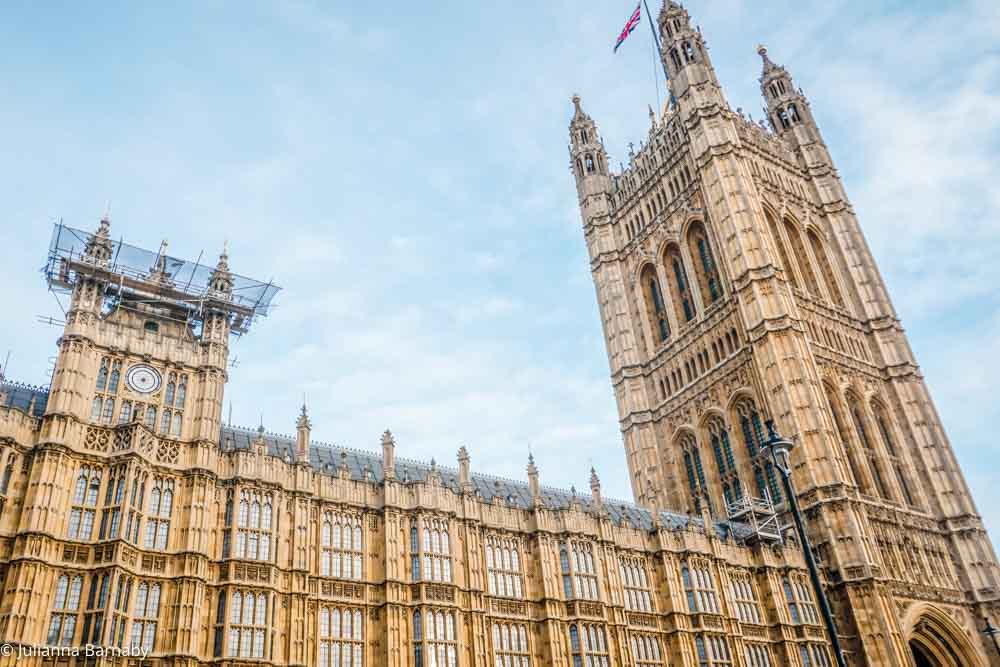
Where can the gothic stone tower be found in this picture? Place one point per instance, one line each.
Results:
(735, 285)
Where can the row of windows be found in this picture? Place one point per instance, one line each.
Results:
(677, 181)
(503, 567)
(85, 496)
(835, 340)
(510, 645)
(676, 306)
(430, 557)
(434, 643)
(799, 264)
(66, 607)
(576, 562)
(341, 545)
(102, 411)
(341, 633)
(686, 368)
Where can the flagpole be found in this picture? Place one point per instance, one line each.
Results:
(656, 40)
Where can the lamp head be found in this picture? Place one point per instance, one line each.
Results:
(778, 447)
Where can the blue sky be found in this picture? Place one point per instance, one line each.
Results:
(401, 170)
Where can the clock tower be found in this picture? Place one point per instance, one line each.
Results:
(146, 339)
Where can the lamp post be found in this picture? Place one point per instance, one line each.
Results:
(778, 448)
(991, 632)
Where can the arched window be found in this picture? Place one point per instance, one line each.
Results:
(418, 637)
(765, 477)
(341, 555)
(855, 409)
(826, 269)
(694, 471)
(845, 438)
(805, 265)
(102, 375)
(705, 267)
(779, 243)
(503, 567)
(679, 288)
(590, 164)
(675, 58)
(656, 311)
(895, 462)
(793, 113)
(689, 52)
(732, 489)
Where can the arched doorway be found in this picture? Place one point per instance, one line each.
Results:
(936, 640)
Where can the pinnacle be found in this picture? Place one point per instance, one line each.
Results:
(762, 52)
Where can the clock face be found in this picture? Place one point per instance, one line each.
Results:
(143, 379)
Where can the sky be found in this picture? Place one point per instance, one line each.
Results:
(401, 171)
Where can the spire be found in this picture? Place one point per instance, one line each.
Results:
(303, 432)
(768, 64)
(99, 246)
(595, 487)
(579, 115)
(221, 280)
(158, 272)
(388, 455)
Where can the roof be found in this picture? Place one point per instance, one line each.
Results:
(19, 396)
(364, 465)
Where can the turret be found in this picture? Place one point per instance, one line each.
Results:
(533, 485)
(595, 488)
(685, 55)
(789, 113)
(589, 160)
(464, 476)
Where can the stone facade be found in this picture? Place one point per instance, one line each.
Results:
(132, 520)
(735, 284)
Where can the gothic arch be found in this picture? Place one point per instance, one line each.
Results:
(793, 230)
(703, 261)
(938, 641)
(779, 243)
(819, 247)
(841, 424)
(681, 291)
(655, 306)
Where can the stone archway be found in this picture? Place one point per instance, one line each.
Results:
(935, 640)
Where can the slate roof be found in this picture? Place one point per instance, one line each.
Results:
(363, 465)
(19, 396)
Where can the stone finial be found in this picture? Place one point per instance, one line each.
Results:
(579, 115)
(464, 476)
(595, 486)
(706, 513)
(388, 455)
(303, 431)
(343, 470)
(99, 246)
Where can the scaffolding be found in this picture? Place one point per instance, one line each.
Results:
(137, 275)
(758, 514)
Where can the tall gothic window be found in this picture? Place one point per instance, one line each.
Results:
(430, 550)
(765, 477)
(65, 608)
(826, 269)
(341, 635)
(699, 587)
(635, 583)
(94, 609)
(145, 616)
(895, 462)
(253, 537)
(779, 243)
(853, 459)
(341, 546)
(805, 265)
(510, 645)
(745, 597)
(712, 650)
(137, 495)
(247, 624)
(588, 645)
(656, 311)
(693, 470)
(705, 267)
(646, 650)
(505, 576)
(680, 289)
(114, 496)
(801, 608)
(8, 472)
(120, 611)
(757, 655)
(434, 637)
(732, 490)
(102, 407)
(856, 409)
(579, 573)
(161, 502)
(85, 493)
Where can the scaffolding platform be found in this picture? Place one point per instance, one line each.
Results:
(143, 275)
(758, 514)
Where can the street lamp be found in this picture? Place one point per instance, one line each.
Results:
(991, 632)
(778, 448)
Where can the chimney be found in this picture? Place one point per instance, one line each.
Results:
(533, 486)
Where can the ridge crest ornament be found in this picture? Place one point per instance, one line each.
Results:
(143, 379)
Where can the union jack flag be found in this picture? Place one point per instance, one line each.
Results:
(633, 21)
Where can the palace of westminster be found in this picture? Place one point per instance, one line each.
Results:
(734, 285)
